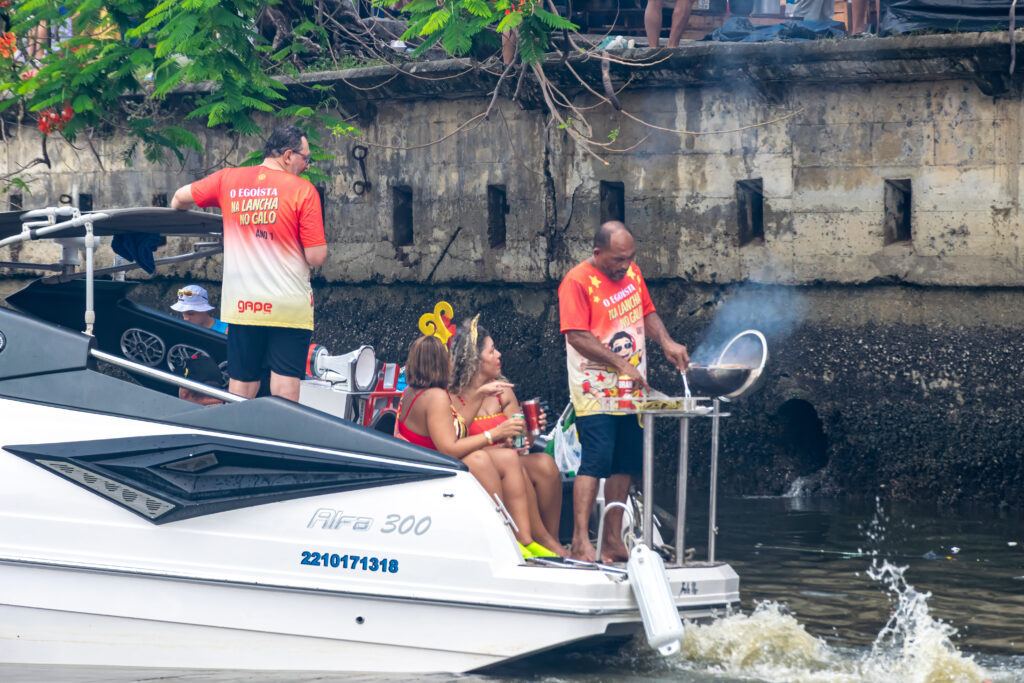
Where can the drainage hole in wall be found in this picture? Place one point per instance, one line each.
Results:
(802, 437)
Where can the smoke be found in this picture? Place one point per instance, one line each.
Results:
(773, 310)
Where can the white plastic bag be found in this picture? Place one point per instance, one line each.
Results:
(566, 445)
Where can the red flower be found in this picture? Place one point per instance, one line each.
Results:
(49, 120)
(7, 46)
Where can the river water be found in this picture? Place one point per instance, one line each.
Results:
(833, 591)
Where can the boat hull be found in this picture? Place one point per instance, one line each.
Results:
(422, 576)
(69, 617)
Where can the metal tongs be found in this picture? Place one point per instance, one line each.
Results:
(686, 385)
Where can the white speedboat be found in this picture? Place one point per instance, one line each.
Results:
(141, 530)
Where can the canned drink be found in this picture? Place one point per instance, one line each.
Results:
(531, 409)
(519, 440)
(625, 390)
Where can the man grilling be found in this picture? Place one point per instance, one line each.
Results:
(602, 302)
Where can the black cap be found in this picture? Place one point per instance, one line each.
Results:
(202, 368)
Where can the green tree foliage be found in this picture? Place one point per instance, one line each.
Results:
(461, 25)
(84, 65)
(79, 67)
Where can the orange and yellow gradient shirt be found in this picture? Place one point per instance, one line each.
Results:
(614, 313)
(270, 217)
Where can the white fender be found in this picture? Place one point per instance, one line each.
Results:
(653, 593)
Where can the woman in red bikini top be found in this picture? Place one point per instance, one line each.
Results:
(403, 432)
(426, 417)
(476, 365)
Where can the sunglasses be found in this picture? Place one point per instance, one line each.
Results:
(187, 293)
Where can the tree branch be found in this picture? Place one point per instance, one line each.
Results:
(497, 88)
(606, 77)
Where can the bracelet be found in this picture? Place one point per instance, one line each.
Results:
(490, 439)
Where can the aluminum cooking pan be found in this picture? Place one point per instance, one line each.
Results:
(717, 380)
(749, 349)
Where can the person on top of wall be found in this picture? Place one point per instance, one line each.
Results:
(653, 21)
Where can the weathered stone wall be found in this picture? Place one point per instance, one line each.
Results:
(913, 392)
(823, 143)
(823, 146)
(899, 367)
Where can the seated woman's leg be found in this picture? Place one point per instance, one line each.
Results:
(513, 486)
(482, 467)
(543, 474)
(540, 532)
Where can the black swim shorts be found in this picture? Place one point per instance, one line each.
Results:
(251, 348)
(610, 444)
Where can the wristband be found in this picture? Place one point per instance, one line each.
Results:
(487, 435)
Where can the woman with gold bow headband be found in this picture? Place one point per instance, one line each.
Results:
(476, 366)
(426, 417)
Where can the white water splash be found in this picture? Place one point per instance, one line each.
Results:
(913, 645)
(797, 488)
(768, 644)
(772, 645)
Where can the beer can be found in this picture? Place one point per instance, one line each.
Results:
(519, 440)
(531, 409)
(625, 390)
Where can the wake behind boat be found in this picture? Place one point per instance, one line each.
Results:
(138, 529)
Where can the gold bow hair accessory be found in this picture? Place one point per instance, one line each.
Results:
(439, 322)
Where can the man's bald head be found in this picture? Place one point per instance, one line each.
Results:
(603, 236)
(613, 250)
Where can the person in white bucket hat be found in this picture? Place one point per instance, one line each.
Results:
(194, 305)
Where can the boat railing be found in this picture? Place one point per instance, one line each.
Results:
(201, 249)
(39, 223)
(604, 513)
(166, 377)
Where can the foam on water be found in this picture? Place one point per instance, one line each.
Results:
(772, 645)
(768, 644)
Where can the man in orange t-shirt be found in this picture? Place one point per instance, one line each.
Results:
(273, 235)
(606, 315)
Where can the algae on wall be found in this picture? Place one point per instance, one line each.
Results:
(914, 392)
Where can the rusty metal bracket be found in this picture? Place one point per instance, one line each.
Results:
(363, 186)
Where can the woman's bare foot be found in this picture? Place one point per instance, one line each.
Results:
(555, 547)
(550, 542)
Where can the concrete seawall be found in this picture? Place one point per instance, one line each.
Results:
(908, 392)
(865, 193)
